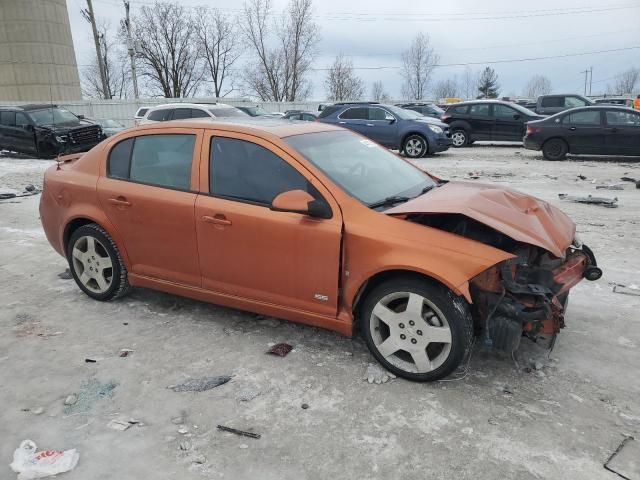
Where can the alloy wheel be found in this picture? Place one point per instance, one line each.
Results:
(414, 148)
(458, 139)
(92, 264)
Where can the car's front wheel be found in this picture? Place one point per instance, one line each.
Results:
(96, 264)
(555, 149)
(459, 138)
(416, 329)
(415, 146)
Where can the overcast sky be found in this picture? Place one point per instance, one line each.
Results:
(374, 34)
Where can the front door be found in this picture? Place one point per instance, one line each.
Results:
(584, 131)
(508, 124)
(382, 127)
(149, 194)
(249, 251)
(622, 132)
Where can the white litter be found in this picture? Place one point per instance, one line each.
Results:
(29, 464)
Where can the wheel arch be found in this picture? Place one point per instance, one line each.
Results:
(460, 125)
(414, 132)
(80, 220)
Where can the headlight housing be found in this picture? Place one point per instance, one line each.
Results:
(62, 138)
(435, 129)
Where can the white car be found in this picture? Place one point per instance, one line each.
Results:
(137, 118)
(185, 111)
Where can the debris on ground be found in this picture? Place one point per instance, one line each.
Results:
(66, 275)
(125, 352)
(610, 186)
(624, 461)
(122, 425)
(376, 374)
(185, 445)
(239, 432)
(200, 459)
(183, 430)
(581, 177)
(507, 389)
(472, 175)
(90, 360)
(280, 349)
(27, 192)
(626, 290)
(26, 326)
(304, 406)
(605, 202)
(71, 399)
(90, 392)
(201, 384)
(247, 394)
(29, 464)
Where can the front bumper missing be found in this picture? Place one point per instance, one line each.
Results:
(514, 298)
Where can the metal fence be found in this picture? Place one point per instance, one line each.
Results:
(124, 110)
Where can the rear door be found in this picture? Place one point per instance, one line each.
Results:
(584, 131)
(622, 132)
(355, 118)
(509, 124)
(249, 251)
(382, 127)
(481, 121)
(148, 189)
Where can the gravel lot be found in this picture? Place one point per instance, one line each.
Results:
(499, 421)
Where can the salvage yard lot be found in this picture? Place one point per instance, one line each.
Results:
(563, 420)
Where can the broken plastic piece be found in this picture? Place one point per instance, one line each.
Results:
(239, 432)
(201, 384)
(280, 349)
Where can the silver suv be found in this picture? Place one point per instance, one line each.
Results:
(185, 111)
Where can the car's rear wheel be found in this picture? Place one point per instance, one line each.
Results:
(459, 138)
(416, 329)
(96, 264)
(415, 146)
(555, 149)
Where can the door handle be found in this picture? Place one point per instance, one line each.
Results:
(573, 129)
(217, 220)
(342, 123)
(369, 124)
(120, 202)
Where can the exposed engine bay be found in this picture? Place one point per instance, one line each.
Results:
(523, 296)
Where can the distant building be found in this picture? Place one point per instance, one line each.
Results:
(37, 59)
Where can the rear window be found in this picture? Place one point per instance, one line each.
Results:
(227, 112)
(552, 102)
(141, 112)
(159, 115)
(329, 110)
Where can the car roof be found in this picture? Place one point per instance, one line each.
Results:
(271, 126)
(191, 105)
(488, 100)
(28, 107)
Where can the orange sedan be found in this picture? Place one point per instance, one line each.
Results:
(319, 225)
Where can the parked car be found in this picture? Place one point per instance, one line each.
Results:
(619, 101)
(137, 118)
(255, 111)
(413, 134)
(299, 115)
(46, 130)
(315, 224)
(487, 120)
(109, 127)
(602, 130)
(555, 103)
(185, 111)
(426, 109)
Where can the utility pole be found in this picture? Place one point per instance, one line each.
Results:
(91, 18)
(590, 79)
(131, 47)
(586, 73)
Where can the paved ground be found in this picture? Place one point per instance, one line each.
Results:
(499, 421)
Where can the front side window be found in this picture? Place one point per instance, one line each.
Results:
(161, 160)
(623, 119)
(246, 171)
(583, 118)
(22, 120)
(362, 168)
(378, 114)
(462, 110)
(572, 102)
(197, 113)
(479, 110)
(357, 113)
(502, 111)
(181, 113)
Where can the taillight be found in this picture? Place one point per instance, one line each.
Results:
(531, 130)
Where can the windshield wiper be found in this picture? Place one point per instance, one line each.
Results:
(389, 201)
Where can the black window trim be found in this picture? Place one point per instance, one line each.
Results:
(208, 193)
(176, 189)
(351, 108)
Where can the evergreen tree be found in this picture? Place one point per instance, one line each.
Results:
(488, 83)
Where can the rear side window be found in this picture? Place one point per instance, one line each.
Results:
(8, 118)
(246, 171)
(479, 110)
(621, 119)
(161, 160)
(329, 110)
(552, 102)
(357, 113)
(197, 113)
(572, 102)
(159, 115)
(583, 118)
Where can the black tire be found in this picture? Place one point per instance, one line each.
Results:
(415, 146)
(119, 284)
(455, 310)
(460, 138)
(555, 149)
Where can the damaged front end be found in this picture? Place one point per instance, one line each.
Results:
(525, 295)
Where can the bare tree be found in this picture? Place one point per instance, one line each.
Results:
(282, 50)
(219, 47)
(169, 59)
(378, 93)
(469, 83)
(446, 88)
(418, 63)
(627, 82)
(536, 86)
(117, 73)
(341, 82)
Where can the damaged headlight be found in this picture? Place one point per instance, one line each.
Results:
(435, 129)
(62, 138)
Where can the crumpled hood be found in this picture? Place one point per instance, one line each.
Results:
(519, 216)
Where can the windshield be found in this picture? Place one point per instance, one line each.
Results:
(50, 116)
(109, 123)
(521, 109)
(255, 111)
(227, 112)
(403, 113)
(361, 167)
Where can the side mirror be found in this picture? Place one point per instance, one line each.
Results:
(80, 116)
(390, 118)
(299, 201)
(516, 116)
